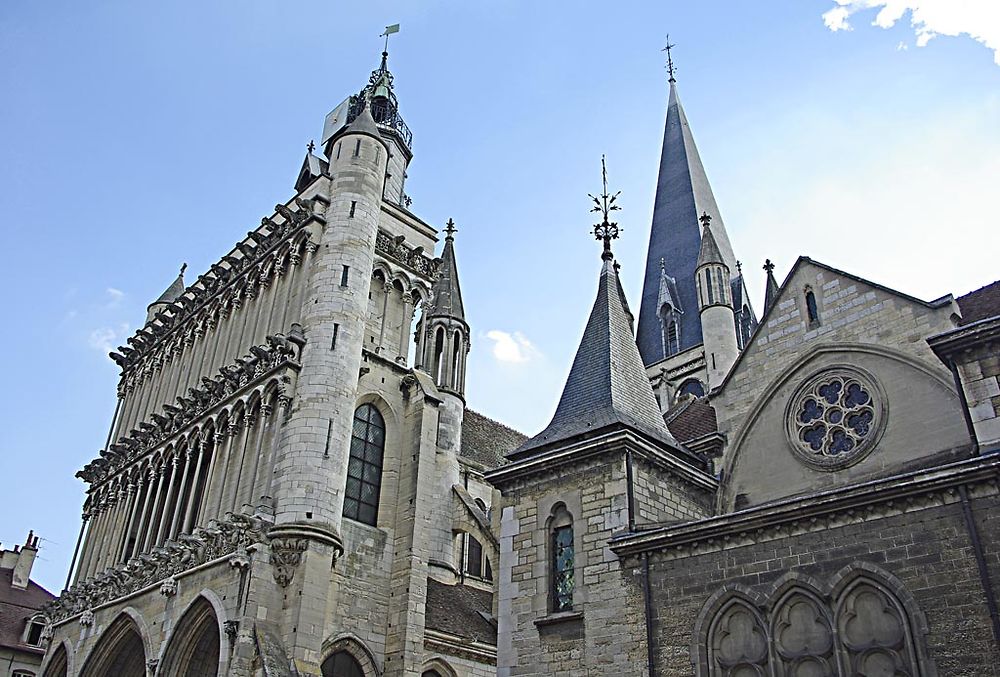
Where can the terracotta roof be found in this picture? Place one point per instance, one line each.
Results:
(459, 610)
(980, 304)
(16, 607)
(692, 419)
(486, 441)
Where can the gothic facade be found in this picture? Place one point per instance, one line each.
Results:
(296, 487)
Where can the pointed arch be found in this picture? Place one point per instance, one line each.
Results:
(347, 652)
(802, 633)
(194, 646)
(58, 660)
(122, 649)
(437, 667)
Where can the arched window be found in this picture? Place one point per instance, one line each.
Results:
(691, 387)
(874, 631)
(561, 557)
(737, 642)
(33, 630)
(803, 636)
(342, 664)
(438, 372)
(364, 467)
(476, 562)
(811, 310)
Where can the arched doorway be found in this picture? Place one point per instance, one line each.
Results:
(119, 652)
(59, 664)
(342, 664)
(194, 647)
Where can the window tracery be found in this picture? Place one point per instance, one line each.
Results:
(562, 559)
(835, 418)
(364, 467)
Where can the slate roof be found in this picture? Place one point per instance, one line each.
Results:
(173, 292)
(446, 289)
(486, 441)
(692, 419)
(709, 252)
(16, 607)
(607, 384)
(772, 289)
(980, 304)
(682, 194)
(459, 610)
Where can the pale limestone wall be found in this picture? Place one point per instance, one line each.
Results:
(719, 342)
(396, 172)
(980, 375)
(661, 497)
(860, 326)
(608, 639)
(11, 661)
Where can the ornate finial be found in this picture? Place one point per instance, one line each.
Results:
(670, 62)
(311, 147)
(768, 266)
(705, 219)
(450, 229)
(605, 230)
(184, 267)
(739, 267)
(663, 265)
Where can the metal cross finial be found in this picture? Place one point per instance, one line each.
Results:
(670, 62)
(184, 267)
(605, 230)
(450, 229)
(768, 266)
(739, 267)
(311, 147)
(705, 219)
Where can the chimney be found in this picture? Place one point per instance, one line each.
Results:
(25, 559)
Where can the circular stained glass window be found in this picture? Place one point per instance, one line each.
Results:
(835, 418)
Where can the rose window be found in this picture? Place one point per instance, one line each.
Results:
(835, 418)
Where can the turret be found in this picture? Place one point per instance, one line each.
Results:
(444, 335)
(715, 306)
(172, 293)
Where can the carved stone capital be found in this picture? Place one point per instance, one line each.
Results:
(168, 588)
(87, 618)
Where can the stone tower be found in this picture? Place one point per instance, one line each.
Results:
(715, 307)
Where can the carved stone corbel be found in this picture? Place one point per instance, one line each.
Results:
(286, 555)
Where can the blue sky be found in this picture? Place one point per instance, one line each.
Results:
(137, 136)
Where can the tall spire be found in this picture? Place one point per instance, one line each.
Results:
(446, 290)
(771, 288)
(607, 385)
(169, 295)
(682, 194)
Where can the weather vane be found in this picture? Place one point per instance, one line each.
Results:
(605, 230)
(389, 30)
(670, 62)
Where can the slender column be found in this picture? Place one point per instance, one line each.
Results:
(405, 323)
(250, 419)
(284, 402)
(76, 551)
(117, 517)
(161, 532)
(231, 444)
(89, 518)
(143, 524)
(189, 514)
(221, 325)
(274, 290)
(422, 339)
(100, 520)
(292, 278)
(133, 491)
(386, 290)
(175, 524)
(263, 429)
(208, 499)
(147, 539)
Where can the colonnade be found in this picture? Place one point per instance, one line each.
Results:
(219, 469)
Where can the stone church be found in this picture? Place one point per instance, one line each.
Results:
(293, 484)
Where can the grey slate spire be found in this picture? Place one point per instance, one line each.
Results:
(771, 288)
(682, 194)
(709, 252)
(446, 289)
(170, 294)
(607, 384)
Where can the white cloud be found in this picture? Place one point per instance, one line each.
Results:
(115, 297)
(514, 348)
(106, 339)
(979, 19)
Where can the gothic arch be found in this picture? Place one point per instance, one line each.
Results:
(438, 665)
(122, 649)
(801, 364)
(802, 632)
(384, 408)
(59, 660)
(352, 645)
(705, 620)
(194, 647)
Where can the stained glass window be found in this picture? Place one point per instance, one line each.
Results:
(562, 568)
(364, 467)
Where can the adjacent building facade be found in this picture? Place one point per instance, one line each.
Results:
(23, 635)
(296, 487)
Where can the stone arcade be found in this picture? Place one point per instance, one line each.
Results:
(295, 489)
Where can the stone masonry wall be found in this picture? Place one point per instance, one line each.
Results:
(980, 374)
(928, 550)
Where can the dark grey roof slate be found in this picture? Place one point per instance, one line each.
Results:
(771, 291)
(446, 289)
(364, 123)
(460, 610)
(607, 384)
(486, 441)
(682, 194)
(173, 292)
(16, 607)
(980, 304)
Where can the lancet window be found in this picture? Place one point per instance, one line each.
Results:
(364, 467)
(562, 560)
